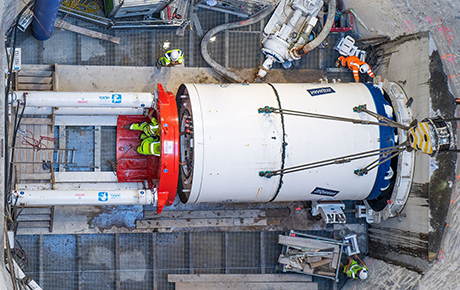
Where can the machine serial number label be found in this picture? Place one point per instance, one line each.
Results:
(321, 91)
(324, 191)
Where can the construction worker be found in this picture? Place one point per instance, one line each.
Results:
(355, 64)
(354, 270)
(151, 129)
(150, 146)
(171, 57)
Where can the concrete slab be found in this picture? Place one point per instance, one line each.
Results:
(145, 79)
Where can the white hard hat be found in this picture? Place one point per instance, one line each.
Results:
(174, 55)
(363, 274)
(364, 68)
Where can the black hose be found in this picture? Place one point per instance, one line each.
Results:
(204, 42)
(9, 166)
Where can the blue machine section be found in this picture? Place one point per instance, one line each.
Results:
(387, 139)
(45, 16)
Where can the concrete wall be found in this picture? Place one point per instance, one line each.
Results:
(8, 11)
(413, 239)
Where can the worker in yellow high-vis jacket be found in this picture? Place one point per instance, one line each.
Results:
(171, 57)
(354, 270)
(150, 146)
(150, 136)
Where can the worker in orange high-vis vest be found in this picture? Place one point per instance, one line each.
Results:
(355, 64)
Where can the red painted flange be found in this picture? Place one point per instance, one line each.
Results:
(168, 171)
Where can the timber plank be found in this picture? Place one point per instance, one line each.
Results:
(37, 87)
(36, 67)
(187, 278)
(320, 263)
(303, 242)
(34, 224)
(91, 33)
(35, 73)
(35, 80)
(248, 286)
(36, 121)
(199, 214)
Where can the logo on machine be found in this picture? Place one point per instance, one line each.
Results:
(116, 98)
(321, 91)
(103, 196)
(324, 191)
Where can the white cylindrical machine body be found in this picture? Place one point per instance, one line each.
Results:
(84, 197)
(233, 142)
(83, 99)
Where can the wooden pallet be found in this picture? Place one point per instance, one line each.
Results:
(35, 78)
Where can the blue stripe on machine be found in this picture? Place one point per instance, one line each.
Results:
(324, 191)
(321, 91)
(387, 139)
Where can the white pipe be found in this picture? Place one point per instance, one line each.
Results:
(83, 111)
(84, 197)
(20, 275)
(83, 99)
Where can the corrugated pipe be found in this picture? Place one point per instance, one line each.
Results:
(299, 52)
(45, 15)
(204, 42)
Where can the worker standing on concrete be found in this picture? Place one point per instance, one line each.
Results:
(151, 129)
(354, 270)
(355, 64)
(171, 57)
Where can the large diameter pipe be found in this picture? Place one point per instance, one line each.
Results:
(84, 197)
(83, 99)
(83, 111)
(45, 13)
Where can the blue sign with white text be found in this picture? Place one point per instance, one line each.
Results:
(324, 191)
(321, 91)
(116, 98)
(103, 196)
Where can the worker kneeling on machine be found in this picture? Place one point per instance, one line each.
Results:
(354, 270)
(150, 136)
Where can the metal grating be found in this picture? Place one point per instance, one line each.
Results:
(237, 48)
(83, 139)
(108, 147)
(143, 261)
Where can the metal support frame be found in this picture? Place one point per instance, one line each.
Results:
(154, 261)
(62, 145)
(117, 261)
(227, 256)
(262, 252)
(79, 258)
(41, 279)
(189, 242)
(97, 148)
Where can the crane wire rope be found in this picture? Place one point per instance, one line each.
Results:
(383, 122)
(385, 153)
(340, 160)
